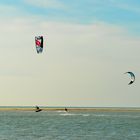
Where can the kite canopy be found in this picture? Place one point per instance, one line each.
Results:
(39, 44)
(132, 77)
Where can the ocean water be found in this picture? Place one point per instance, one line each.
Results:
(60, 125)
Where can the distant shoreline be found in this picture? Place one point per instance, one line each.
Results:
(72, 109)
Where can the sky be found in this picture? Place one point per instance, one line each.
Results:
(88, 46)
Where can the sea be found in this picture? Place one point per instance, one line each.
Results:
(75, 125)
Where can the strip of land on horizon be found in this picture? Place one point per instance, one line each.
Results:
(72, 109)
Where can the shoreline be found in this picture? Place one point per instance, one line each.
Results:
(73, 109)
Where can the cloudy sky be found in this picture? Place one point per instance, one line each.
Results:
(88, 45)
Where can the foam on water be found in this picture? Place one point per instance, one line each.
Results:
(67, 114)
(60, 111)
(74, 114)
(85, 115)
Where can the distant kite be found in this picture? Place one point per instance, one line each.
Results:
(132, 77)
(39, 44)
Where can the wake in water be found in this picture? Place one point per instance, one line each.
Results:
(74, 114)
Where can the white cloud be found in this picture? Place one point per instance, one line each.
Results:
(46, 3)
(8, 8)
(7, 11)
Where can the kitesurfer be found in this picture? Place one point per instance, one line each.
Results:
(66, 109)
(38, 109)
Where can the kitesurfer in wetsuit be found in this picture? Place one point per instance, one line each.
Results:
(66, 109)
(38, 109)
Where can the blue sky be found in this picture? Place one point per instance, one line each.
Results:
(124, 12)
(89, 44)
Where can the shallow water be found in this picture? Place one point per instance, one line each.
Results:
(60, 125)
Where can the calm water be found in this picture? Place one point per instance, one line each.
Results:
(59, 125)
